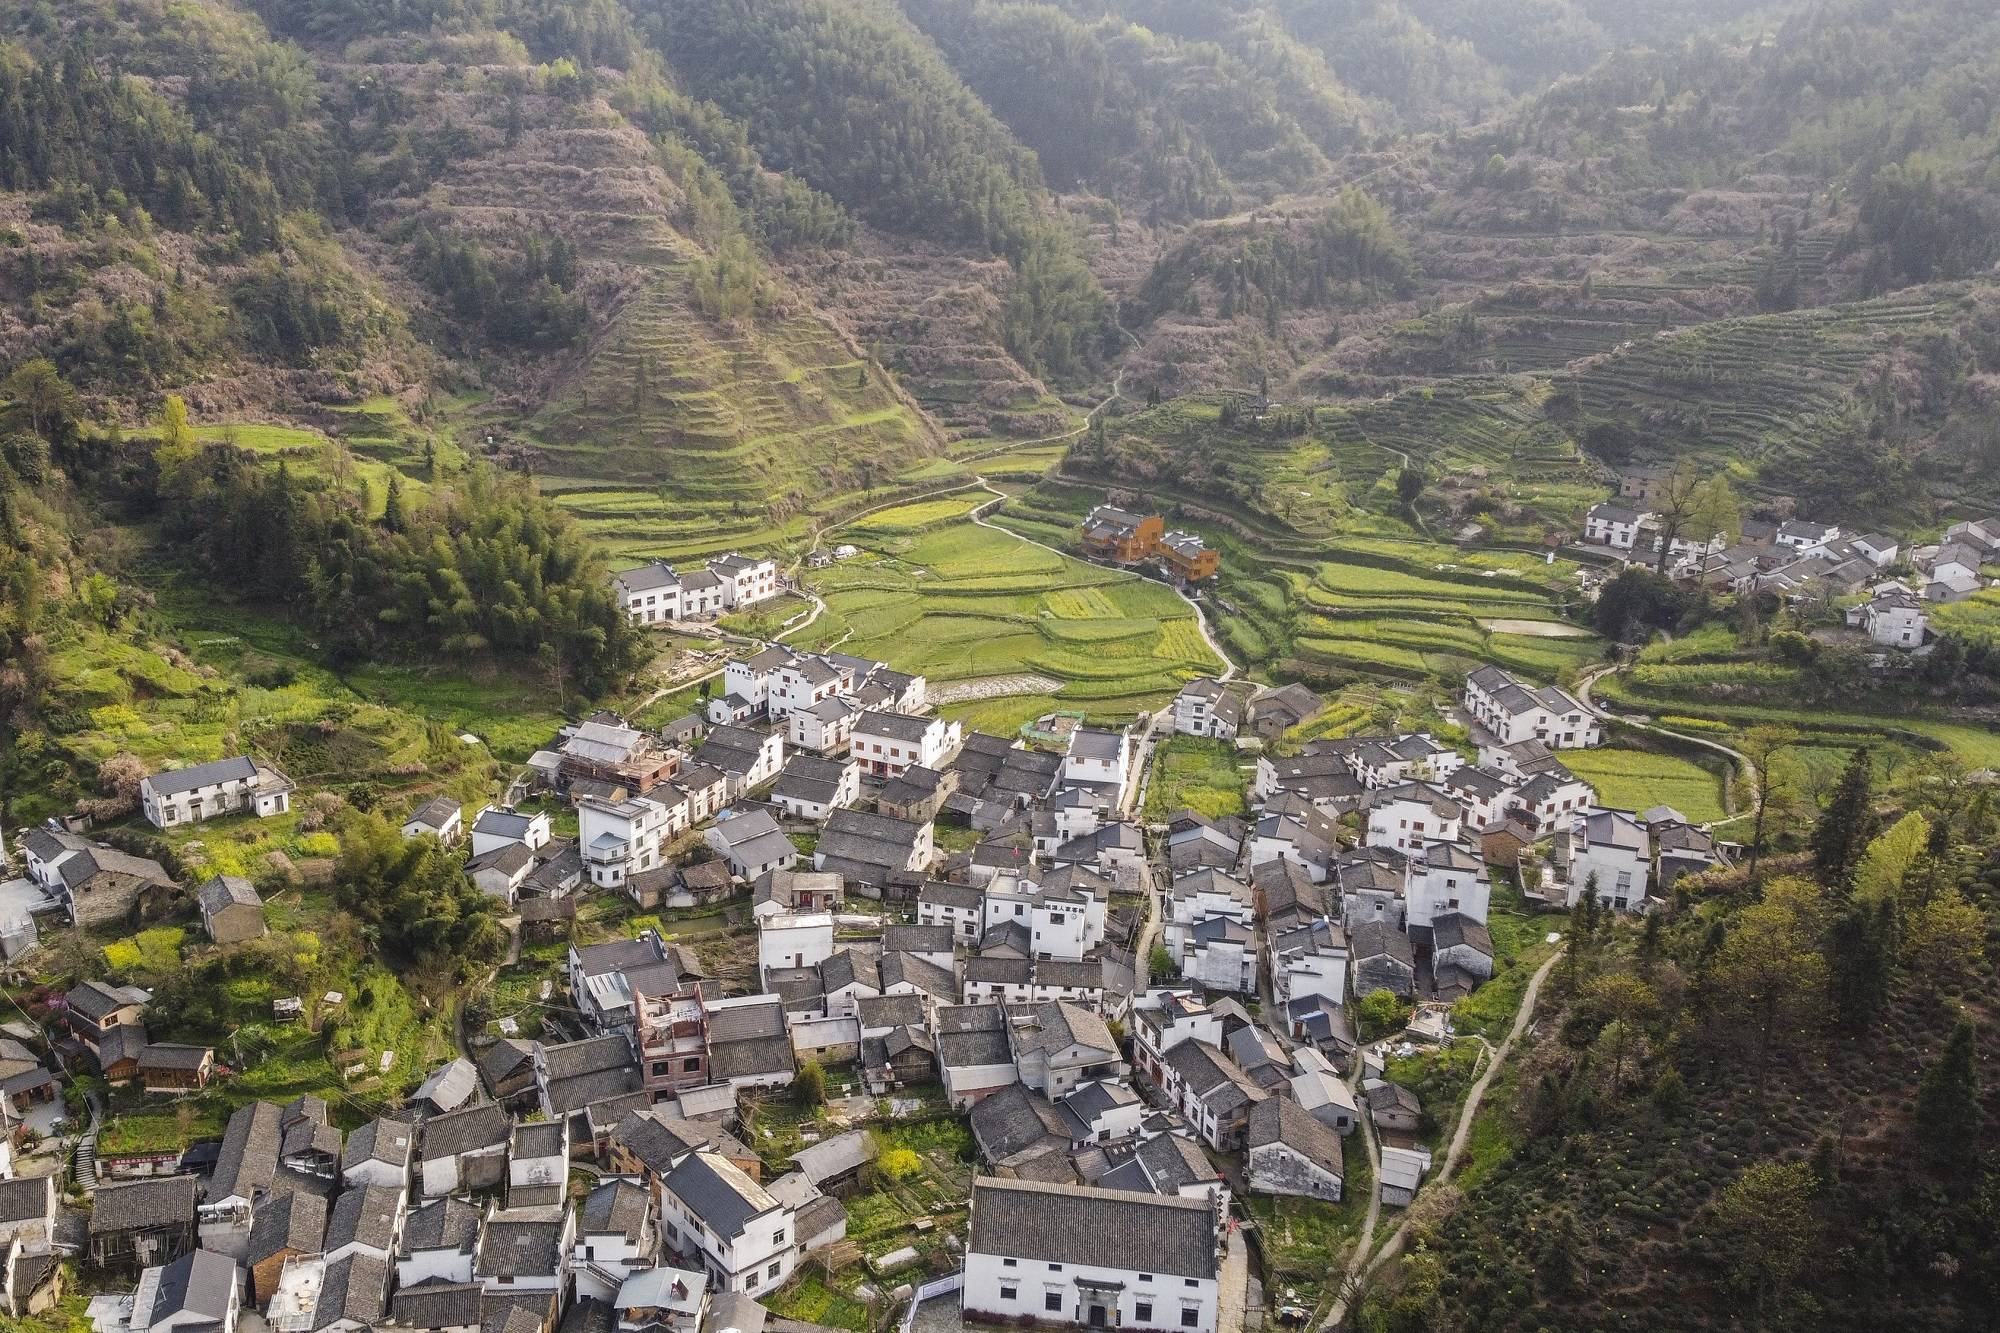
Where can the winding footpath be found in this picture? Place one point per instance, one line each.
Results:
(1744, 767)
(1364, 1262)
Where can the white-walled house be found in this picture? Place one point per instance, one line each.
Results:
(746, 580)
(619, 839)
(1446, 878)
(1097, 758)
(752, 843)
(794, 941)
(1613, 525)
(962, 907)
(826, 727)
(714, 1214)
(1615, 848)
(1163, 1018)
(440, 818)
(1205, 707)
(885, 744)
(650, 594)
(1061, 920)
(1408, 817)
(1310, 959)
(1894, 617)
(219, 787)
(1516, 712)
(494, 828)
(617, 1235)
(1094, 1258)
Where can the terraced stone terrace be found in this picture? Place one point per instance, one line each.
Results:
(723, 411)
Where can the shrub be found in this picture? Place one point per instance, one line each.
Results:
(1381, 1011)
(899, 1164)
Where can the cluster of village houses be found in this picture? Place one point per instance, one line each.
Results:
(1795, 558)
(992, 974)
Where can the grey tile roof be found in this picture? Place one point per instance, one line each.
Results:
(436, 1305)
(886, 1011)
(1376, 939)
(450, 1223)
(1015, 1119)
(895, 726)
(249, 1159)
(365, 1216)
(1451, 929)
(450, 1084)
(617, 1207)
(202, 1283)
(1172, 1163)
(1101, 1228)
(143, 1203)
(718, 1192)
(456, 1132)
(963, 897)
(521, 1242)
(172, 782)
(836, 1156)
(26, 1198)
(228, 891)
(294, 1220)
(897, 968)
(1283, 1121)
(356, 1288)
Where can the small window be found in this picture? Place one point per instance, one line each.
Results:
(772, 1271)
(1010, 1263)
(1142, 1312)
(1190, 1316)
(1190, 1282)
(1145, 1277)
(1052, 1301)
(1009, 1293)
(1055, 1268)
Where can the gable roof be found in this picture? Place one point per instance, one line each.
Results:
(365, 1215)
(718, 1192)
(163, 1201)
(1280, 1120)
(450, 1223)
(1102, 1228)
(173, 781)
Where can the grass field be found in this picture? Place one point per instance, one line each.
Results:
(1639, 779)
(962, 601)
(1195, 774)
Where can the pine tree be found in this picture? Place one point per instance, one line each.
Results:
(1860, 954)
(394, 516)
(176, 445)
(1948, 1097)
(1847, 825)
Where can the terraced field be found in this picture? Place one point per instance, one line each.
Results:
(1330, 608)
(1711, 698)
(961, 601)
(1773, 391)
(716, 411)
(1628, 779)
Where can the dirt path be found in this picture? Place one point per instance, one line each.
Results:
(1363, 1264)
